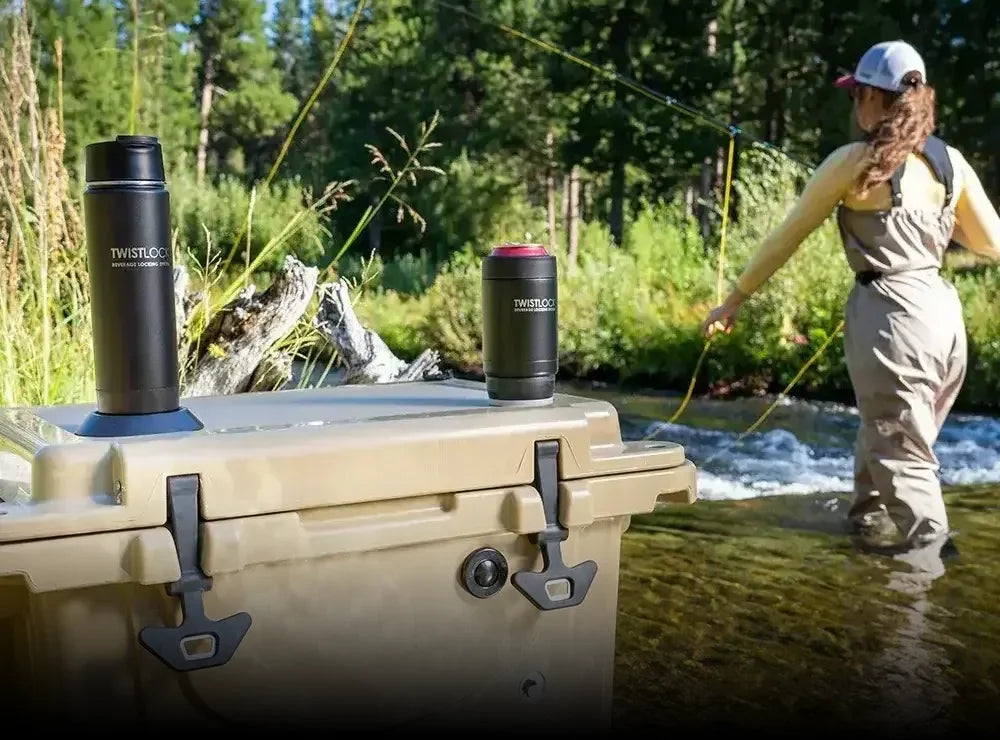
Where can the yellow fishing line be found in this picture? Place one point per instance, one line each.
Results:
(725, 217)
(690, 390)
(319, 87)
(719, 275)
(608, 74)
(722, 251)
(793, 381)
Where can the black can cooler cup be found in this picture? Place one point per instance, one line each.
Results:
(130, 264)
(520, 325)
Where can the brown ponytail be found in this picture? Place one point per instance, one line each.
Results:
(908, 121)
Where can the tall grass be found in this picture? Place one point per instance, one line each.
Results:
(46, 353)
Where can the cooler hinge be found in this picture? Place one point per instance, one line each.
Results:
(197, 642)
(557, 586)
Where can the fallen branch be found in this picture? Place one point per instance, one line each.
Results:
(365, 356)
(239, 336)
(426, 366)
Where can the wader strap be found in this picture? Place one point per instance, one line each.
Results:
(935, 151)
(896, 182)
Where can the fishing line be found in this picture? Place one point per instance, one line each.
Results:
(767, 412)
(628, 82)
(718, 280)
(732, 130)
(725, 217)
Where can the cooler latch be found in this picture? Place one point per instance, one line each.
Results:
(557, 586)
(197, 642)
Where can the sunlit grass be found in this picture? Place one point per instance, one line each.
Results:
(46, 354)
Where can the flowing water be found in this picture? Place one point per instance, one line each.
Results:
(802, 447)
(750, 609)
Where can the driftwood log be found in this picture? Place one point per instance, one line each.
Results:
(235, 352)
(239, 336)
(365, 356)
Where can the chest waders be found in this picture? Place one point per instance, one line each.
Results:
(906, 353)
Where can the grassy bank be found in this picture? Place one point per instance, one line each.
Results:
(631, 314)
(759, 614)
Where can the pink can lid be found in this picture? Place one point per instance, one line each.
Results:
(519, 250)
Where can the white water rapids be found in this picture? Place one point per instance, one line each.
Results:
(803, 447)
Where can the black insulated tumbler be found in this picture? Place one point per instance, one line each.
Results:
(520, 325)
(127, 215)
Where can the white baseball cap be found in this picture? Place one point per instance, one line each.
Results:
(885, 65)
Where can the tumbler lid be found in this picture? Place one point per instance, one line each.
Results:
(128, 158)
(519, 250)
(530, 262)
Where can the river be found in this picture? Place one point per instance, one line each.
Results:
(803, 446)
(756, 613)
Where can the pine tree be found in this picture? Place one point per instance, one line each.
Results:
(96, 72)
(242, 105)
(289, 43)
(166, 104)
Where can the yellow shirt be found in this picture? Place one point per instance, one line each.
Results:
(977, 228)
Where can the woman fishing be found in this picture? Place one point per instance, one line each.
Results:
(901, 195)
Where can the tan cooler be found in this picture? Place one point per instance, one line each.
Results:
(400, 555)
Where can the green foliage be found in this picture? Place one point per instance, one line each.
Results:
(765, 65)
(632, 313)
(166, 74)
(290, 44)
(237, 60)
(454, 310)
(514, 123)
(978, 290)
(478, 205)
(222, 210)
(95, 69)
(400, 320)
(408, 275)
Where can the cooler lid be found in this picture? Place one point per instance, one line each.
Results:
(263, 453)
